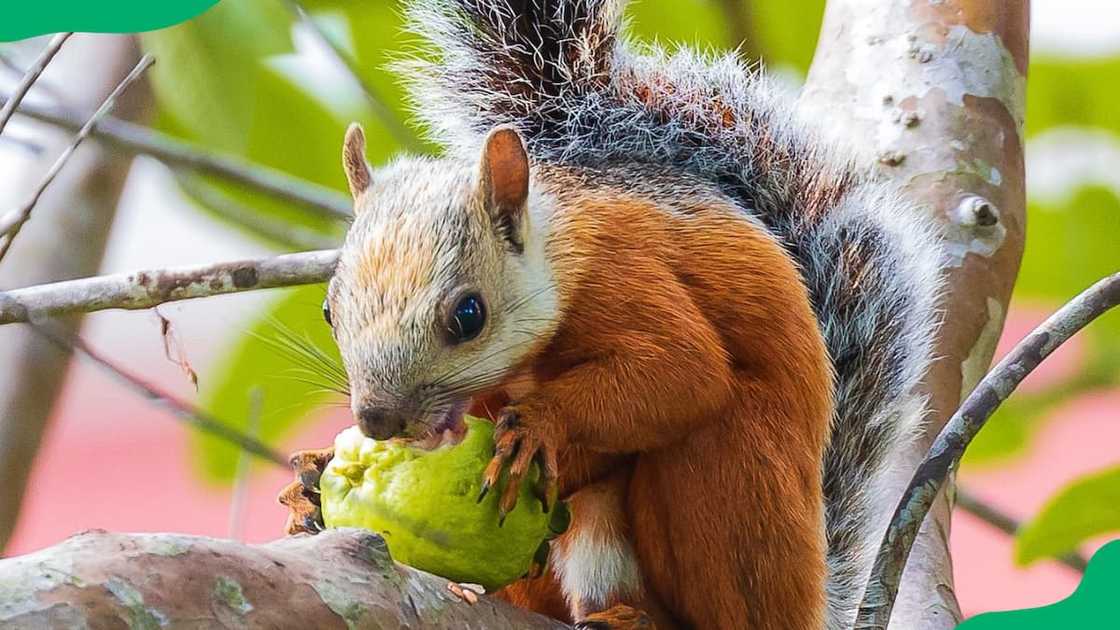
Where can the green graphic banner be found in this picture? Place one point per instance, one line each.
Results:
(27, 18)
(1095, 604)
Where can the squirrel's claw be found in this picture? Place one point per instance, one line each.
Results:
(504, 446)
(518, 446)
(302, 495)
(526, 451)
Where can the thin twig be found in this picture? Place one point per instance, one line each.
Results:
(400, 132)
(31, 76)
(947, 449)
(10, 226)
(173, 152)
(145, 289)
(1007, 524)
(291, 235)
(183, 411)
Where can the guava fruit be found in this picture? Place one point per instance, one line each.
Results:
(425, 505)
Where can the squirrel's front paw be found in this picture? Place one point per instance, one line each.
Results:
(302, 495)
(517, 444)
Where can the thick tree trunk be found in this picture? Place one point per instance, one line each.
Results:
(337, 579)
(935, 88)
(65, 239)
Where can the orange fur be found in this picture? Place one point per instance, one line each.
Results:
(689, 359)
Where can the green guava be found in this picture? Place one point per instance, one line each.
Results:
(425, 505)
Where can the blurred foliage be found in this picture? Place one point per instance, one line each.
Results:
(1088, 507)
(215, 86)
(290, 390)
(232, 80)
(787, 31)
(1064, 91)
(651, 22)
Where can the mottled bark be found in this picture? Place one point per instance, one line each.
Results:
(337, 579)
(145, 289)
(934, 90)
(66, 239)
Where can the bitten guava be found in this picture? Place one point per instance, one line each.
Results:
(425, 504)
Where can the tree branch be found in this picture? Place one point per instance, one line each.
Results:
(10, 225)
(145, 289)
(1007, 524)
(337, 579)
(134, 138)
(31, 76)
(947, 449)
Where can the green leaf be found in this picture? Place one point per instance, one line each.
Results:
(1088, 507)
(225, 80)
(208, 69)
(1079, 92)
(257, 362)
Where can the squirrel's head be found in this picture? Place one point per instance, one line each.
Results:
(442, 288)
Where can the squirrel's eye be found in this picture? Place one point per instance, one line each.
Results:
(467, 320)
(327, 312)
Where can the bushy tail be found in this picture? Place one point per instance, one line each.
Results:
(560, 71)
(517, 61)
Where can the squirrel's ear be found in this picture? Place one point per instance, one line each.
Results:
(505, 182)
(354, 160)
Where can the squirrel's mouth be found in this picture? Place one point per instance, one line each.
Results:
(447, 426)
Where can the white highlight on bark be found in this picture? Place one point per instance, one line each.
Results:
(976, 365)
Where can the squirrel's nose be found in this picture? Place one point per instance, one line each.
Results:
(380, 423)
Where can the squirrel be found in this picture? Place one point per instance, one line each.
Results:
(704, 322)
